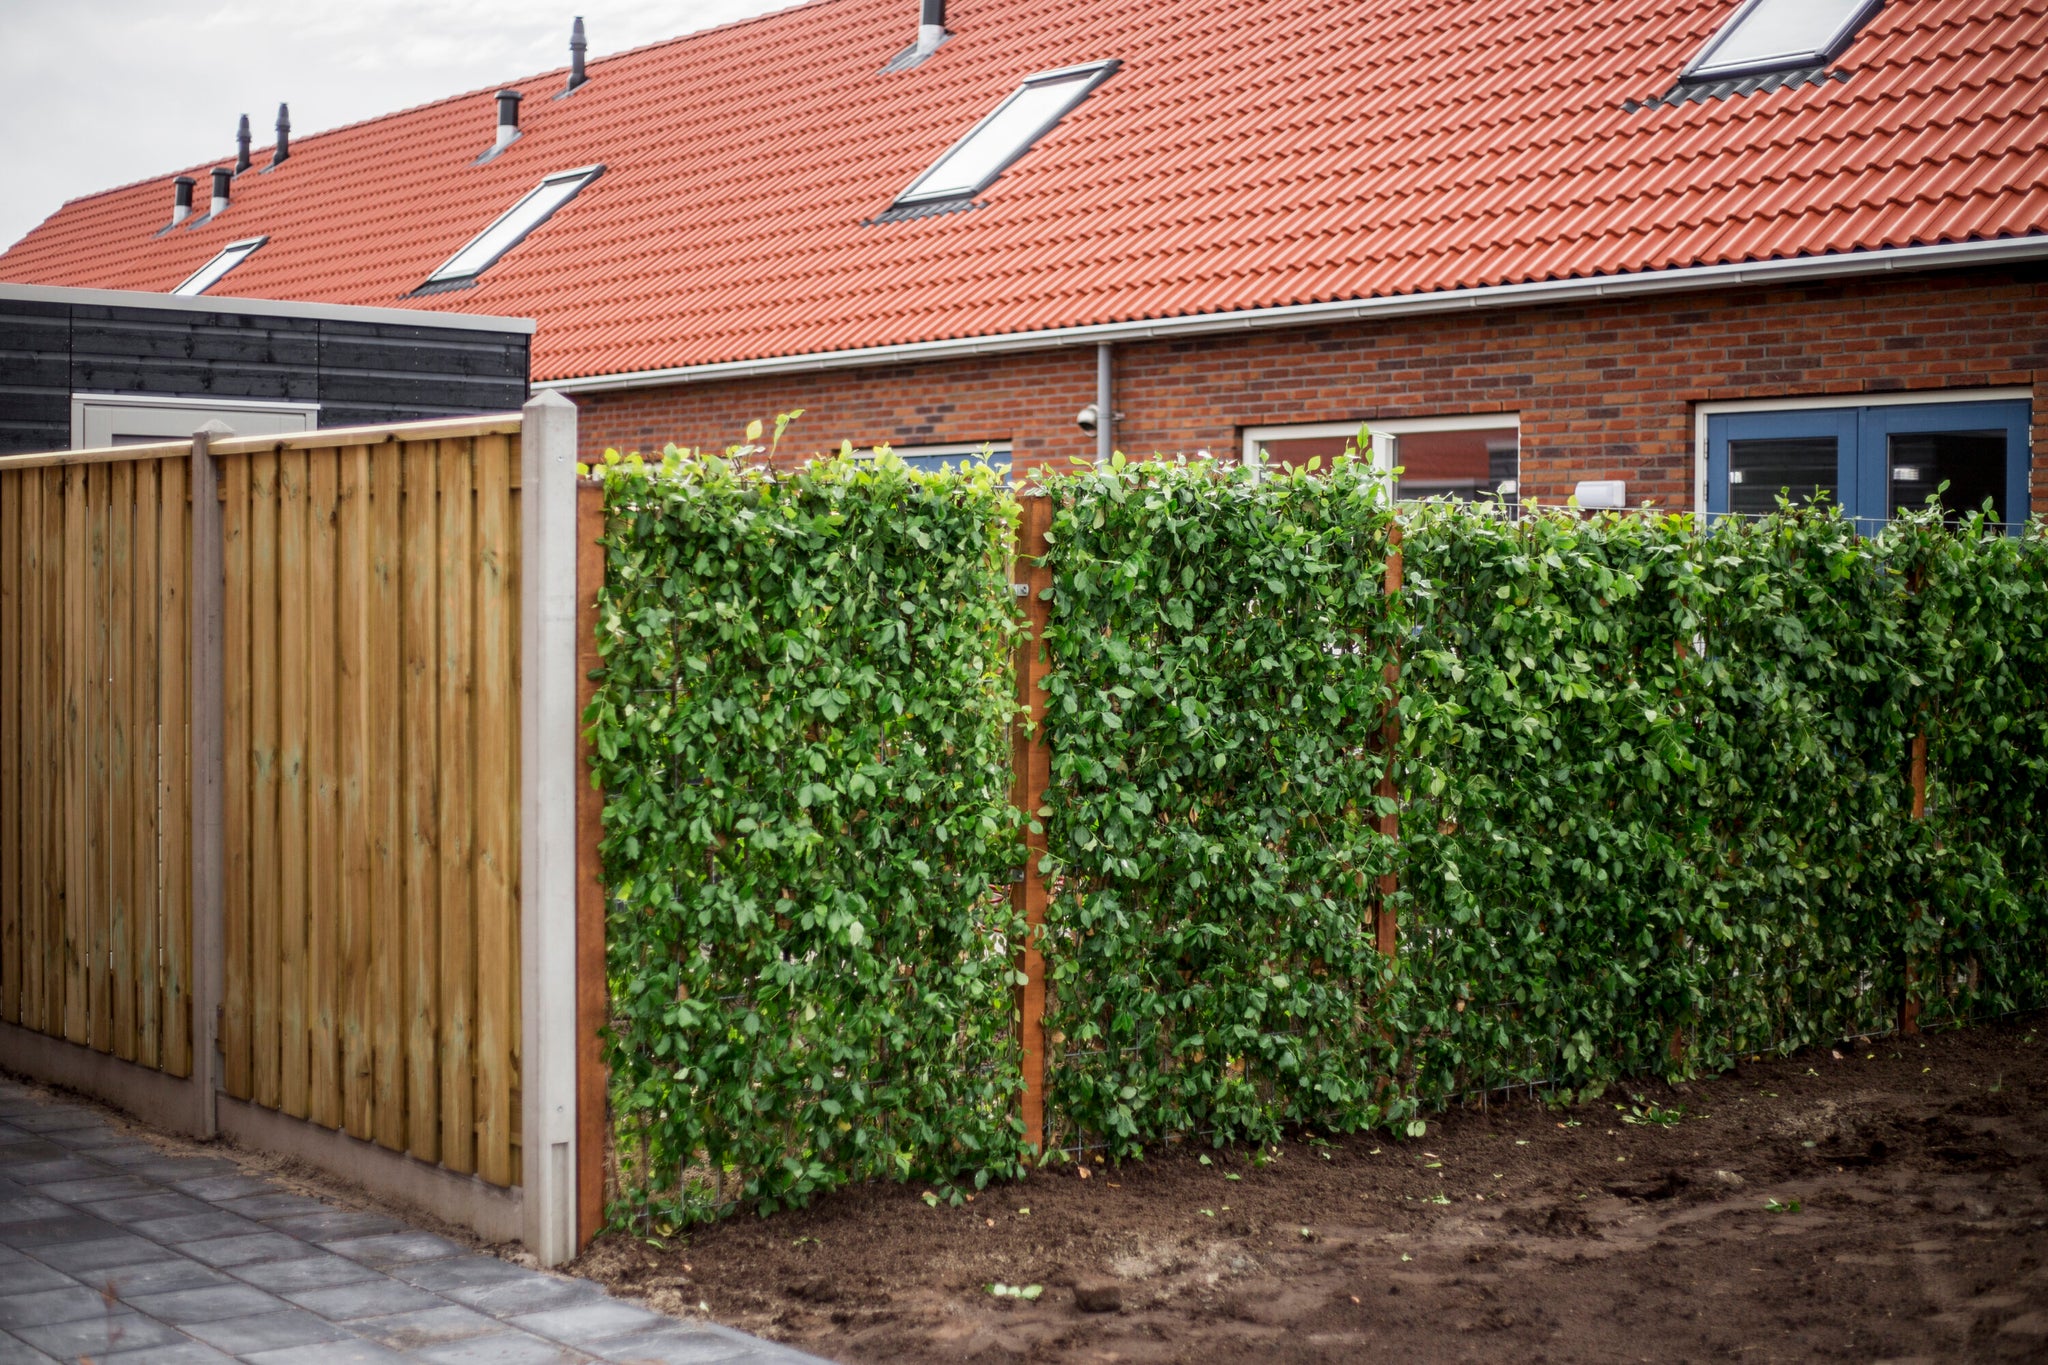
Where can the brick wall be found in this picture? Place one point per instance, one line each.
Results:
(1604, 390)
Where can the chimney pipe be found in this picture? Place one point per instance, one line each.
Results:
(181, 199)
(508, 119)
(578, 44)
(222, 179)
(931, 27)
(284, 135)
(242, 146)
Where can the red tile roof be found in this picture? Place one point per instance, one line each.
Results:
(1249, 153)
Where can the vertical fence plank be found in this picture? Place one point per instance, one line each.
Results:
(238, 774)
(265, 878)
(293, 667)
(317, 609)
(173, 806)
(12, 787)
(99, 748)
(120, 740)
(353, 719)
(56, 755)
(1033, 770)
(457, 801)
(77, 758)
(495, 796)
(592, 1003)
(420, 468)
(382, 800)
(144, 937)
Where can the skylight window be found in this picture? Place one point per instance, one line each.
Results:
(1771, 35)
(513, 225)
(1030, 111)
(208, 275)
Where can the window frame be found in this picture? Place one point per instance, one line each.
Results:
(247, 246)
(439, 278)
(1091, 74)
(1701, 67)
(1865, 422)
(994, 454)
(1385, 435)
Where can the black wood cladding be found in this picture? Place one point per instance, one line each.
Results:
(357, 371)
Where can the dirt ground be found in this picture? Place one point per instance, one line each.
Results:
(1882, 1201)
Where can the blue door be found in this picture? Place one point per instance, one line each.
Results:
(1873, 460)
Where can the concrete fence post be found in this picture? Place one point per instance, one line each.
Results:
(547, 825)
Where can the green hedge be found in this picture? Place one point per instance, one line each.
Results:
(803, 733)
(1214, 709)
(1655, 784)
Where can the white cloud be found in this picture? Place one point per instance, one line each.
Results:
(106, 92)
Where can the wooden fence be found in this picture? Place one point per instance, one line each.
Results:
(287, 799)
(371, 787)
(95, 922)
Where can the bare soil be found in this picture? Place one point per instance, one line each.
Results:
(1881, 1200)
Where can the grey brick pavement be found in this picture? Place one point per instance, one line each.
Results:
(113, 1251)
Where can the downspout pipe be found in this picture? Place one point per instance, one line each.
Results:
(1105, 404)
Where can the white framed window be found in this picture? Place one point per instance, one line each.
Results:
(513, 225)
(995, 454)
(1465, 456)
(1773, 35)
(1011, 129)
(208, 275)
(102, 420)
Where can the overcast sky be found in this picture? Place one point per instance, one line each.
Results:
(106, 92)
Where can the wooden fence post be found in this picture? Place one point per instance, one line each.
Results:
(1909, 1008)
(592, 996)
(1390, 741)
(1032, 761)
(547, 826)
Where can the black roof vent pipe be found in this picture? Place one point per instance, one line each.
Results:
(508, 119)
(931, 27)
(284, 135)
(242, 146)
(223, 178)
(578, 45)
(181, 199)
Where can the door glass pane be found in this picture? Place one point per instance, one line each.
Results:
(1799, 466)
(1972, 463)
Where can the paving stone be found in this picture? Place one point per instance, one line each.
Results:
(215, 1188)
(14, 1189)
(14, 1351)
(228, 1252)
(463, 1271)
(98, 1336)
(95, 1140)
(98, 1188)
(29, 1278)
(76, 1258)
(195, 1227)
(29, 1208)
(158, 1204)
(181, 1306)
(354, 1351)
(271, 1331)
(378, 1298)
(329, 1226)
(588, 1324)
(531, 1293)
(318, 1271)
(54, 1170)
(154, 1277)
(26, 1148)
(67, 1226)
(397, 1248)
(175, 1171)
(426, 1327)
(503, 1348)
(50, 1118)
(46, 1306)
(178, 1353)
(677, 1344)
(270, 1204)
